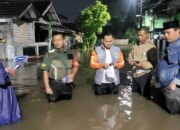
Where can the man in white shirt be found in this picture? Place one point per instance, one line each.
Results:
(107, 60)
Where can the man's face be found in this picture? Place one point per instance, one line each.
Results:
(108, 41)
(58, 41)
(142, 36)
(171, 34)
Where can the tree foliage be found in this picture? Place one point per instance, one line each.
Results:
(91, 21)
(130, 34)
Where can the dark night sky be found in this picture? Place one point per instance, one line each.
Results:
(71, 8)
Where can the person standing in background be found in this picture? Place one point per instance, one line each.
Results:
(9, 107)
(168, 70)
(59, 70)
(143, 58)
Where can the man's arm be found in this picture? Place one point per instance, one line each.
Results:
(45, 68)
(176, 58)
(11, 71)
(46, 83)
(73, 73)
(176, 80)
(152, 56)
(151, 59)
(130, 57)
(75, 68)
(145, 65)
(94, 61)
(120, 64)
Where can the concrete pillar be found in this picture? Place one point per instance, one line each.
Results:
(9, 47)
(49, 36)
(37, 50)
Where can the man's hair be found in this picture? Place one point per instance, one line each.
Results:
(144, 28)
(107, 33)
(58, 33)
(177, 28)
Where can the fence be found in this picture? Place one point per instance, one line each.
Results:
(29, 49)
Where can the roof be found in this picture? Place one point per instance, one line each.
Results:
(56, 28)
(29, 10)
(41, 5)
(13, 8)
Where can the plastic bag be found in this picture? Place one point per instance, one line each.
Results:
(110, 74)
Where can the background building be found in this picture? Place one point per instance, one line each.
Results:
(26, 26)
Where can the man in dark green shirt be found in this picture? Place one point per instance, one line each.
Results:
(59, 69)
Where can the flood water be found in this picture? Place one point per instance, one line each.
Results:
(125, 111)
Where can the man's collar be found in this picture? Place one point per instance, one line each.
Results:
(175, 42)
(145, 42)
(178, 39)
(61, 50)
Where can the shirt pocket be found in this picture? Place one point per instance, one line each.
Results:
(173, 57)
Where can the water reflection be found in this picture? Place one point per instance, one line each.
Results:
(26, 77)
(114, 115)
(126, 101)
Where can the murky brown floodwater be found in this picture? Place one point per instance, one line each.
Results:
(126, 111)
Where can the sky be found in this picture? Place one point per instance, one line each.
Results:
(71, 8)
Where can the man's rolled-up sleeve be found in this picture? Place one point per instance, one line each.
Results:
(45, 66)
(120, 64)
(94, 61)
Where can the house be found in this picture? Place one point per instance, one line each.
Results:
(27, 26)
(155, 13)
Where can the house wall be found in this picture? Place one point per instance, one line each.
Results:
(23, 33)
(30, 36)
(2, 51)
(36, 46)
(24, 38)
(153, 22)
(7, 49)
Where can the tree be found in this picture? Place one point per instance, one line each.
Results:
(91, 22)
(130, 34)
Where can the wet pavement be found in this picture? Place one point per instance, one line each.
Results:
(125, 111)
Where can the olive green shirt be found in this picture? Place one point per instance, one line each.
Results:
(57, 63)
